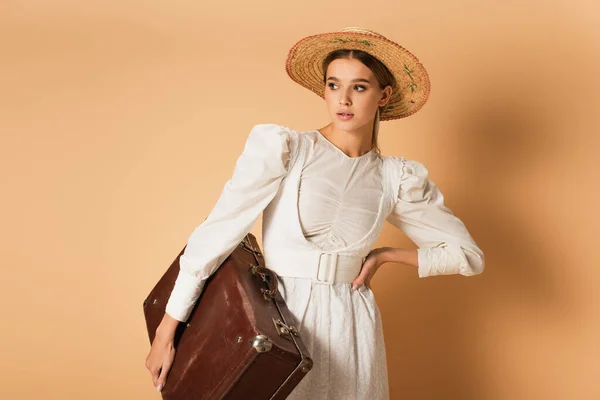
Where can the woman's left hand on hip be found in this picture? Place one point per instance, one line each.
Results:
(371, 264)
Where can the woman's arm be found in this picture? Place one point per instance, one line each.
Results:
(255, 181)
(167, 327)
(399, 255)
(378, 257)
(445, 244)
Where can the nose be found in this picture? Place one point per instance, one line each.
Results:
(344, 98)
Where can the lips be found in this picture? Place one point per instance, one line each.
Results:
(342, 116)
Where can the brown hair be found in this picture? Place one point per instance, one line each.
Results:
(381, 72)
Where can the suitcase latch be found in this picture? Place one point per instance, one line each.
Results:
(284, 330)
(246, 245)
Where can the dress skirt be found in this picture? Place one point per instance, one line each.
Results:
(343, 333)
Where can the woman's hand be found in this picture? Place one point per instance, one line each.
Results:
(372, 263)
(162, 353)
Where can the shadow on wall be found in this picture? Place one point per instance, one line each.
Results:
(436, 332)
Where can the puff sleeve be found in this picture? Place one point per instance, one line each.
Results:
(445, 245)
(256, 179)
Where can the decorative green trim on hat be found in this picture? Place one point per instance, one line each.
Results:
(408, 72)
(412, 86)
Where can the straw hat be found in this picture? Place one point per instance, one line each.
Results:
(304, 60)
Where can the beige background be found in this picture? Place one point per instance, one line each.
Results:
(122, 120)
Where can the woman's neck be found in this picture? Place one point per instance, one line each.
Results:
(352, 143)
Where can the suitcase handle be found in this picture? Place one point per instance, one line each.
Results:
(269, 278)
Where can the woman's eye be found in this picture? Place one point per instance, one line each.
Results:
(360, 87)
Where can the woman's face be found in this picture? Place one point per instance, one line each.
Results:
(351, 87)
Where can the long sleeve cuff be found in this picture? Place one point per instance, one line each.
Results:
(441, 261)
(186, 291)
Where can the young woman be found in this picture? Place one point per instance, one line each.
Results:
(325, 195)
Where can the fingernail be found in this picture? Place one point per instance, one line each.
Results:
(159, 387)
(353, 287)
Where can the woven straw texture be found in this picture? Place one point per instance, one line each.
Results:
(304, 60)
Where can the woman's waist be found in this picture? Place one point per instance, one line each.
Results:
(318, 265)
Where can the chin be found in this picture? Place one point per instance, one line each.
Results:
(351, 125)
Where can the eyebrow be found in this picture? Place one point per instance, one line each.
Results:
(333, 78)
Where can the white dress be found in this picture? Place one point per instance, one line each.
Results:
(342, 203)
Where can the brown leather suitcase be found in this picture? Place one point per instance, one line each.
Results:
(239, 341)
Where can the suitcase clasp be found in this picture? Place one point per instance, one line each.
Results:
(284, 330)
(246, 245)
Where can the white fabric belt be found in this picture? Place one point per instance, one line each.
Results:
(321, 267)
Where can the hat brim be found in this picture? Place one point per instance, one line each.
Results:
(304, 60)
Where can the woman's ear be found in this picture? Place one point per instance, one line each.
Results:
(385, 96)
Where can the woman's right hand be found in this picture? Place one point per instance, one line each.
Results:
(162, 353)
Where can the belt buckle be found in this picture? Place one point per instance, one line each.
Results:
(330, 264)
